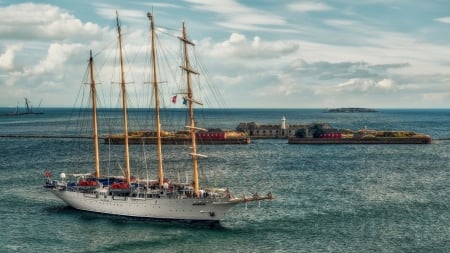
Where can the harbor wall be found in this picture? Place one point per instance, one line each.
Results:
(378, 140)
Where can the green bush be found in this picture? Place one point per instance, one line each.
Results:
(300, 133)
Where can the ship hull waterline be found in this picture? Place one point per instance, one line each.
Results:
(187, 209)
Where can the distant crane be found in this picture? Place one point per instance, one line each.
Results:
(28, 109)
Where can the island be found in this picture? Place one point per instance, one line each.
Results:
(325, 133)
(362, 136)
(350, 109)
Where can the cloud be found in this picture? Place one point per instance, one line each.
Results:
(312, 51)
(280, 85)
(42, 46)
(57, 56)
(434, 97)
(234, 15)
(328, 83)
(323, 70)
(239, 47)
(309, 6)
(7, 58)
(340, 22)
(445, 20)
(50, 79)
(108, 12)
(246, 66)
(364, 85)
(44, 22)
(385, 84)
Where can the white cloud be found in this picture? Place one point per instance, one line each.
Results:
(47, 44)
(309, 6)
(57, 56)
(354, 85)
(385, 84)
(339, 22)
(360, 85)
(284, 86)
(314, 50)
(445, 20)
(234, 15)
(7, 58)
(108, 11)
(42, 21)
(238, 47)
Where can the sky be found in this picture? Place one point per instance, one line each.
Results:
(260, 54)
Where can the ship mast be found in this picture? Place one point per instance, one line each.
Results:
(94, 116)
(156, 94)
(124, 106)
(190, 103)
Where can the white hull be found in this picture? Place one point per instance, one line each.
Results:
(195, 209)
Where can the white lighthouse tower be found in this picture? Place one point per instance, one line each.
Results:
(283, 126)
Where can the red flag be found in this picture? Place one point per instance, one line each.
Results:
(48, 174)
(174, 99)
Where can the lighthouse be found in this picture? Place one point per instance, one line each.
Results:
(283, 126)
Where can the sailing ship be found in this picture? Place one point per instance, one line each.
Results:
(161, 198)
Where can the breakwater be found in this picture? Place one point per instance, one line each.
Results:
(377, 140)
(44, 136)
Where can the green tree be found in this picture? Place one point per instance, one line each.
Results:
(300, 133)
(316, 130)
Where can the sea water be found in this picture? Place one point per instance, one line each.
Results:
(329, 198)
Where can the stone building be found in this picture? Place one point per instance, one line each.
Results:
(282, 130)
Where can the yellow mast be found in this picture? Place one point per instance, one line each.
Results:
(190, 102)
(124, 106)
(94, 116)
(156, 94)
